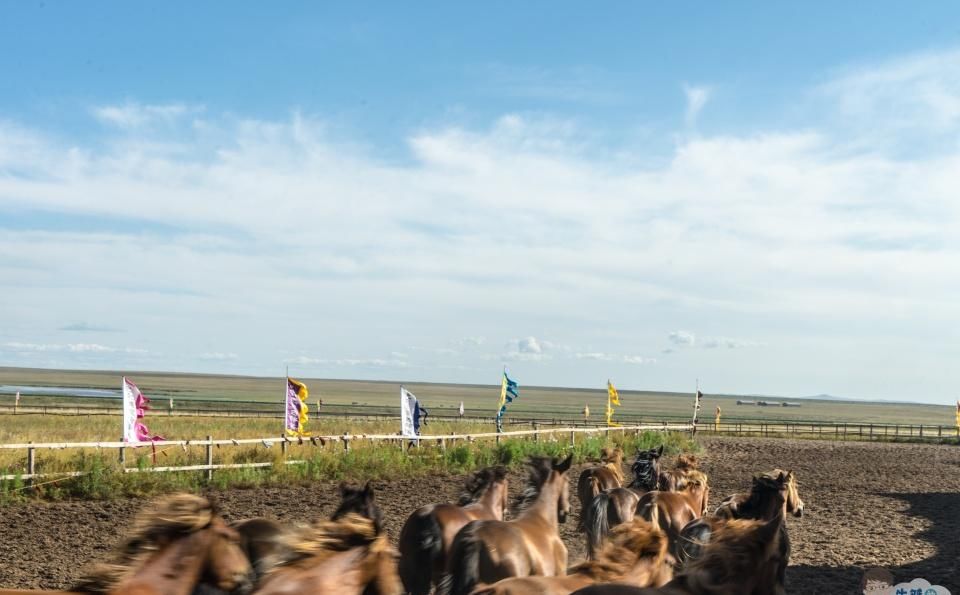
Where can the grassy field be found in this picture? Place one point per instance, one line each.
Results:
(478, 399)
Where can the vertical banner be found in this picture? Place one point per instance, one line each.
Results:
(16, 404)
(135, 407)
(696, 407)
(509, 390)
(409, 414)
(297, 410)
(958, 417)
(461, 409)
(613, 400)
(716, 420)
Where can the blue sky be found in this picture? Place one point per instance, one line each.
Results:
(761, 196)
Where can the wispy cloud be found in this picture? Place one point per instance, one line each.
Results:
(135, 115)
(545, 229)
(612, 357)
(697, 98)
(85, 327)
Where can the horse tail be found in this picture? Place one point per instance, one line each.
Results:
(586, 499)
(694, 536)
(464, 561)
(421, 552)
(597, 522)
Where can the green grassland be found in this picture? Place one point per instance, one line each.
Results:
(541, 402)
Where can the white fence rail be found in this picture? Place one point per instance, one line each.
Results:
(345, 439)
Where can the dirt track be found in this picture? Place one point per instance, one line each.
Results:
(896, 506)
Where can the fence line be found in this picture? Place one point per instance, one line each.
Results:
(345, 439)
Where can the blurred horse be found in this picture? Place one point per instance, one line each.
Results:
(593, 480)
(674, 480)
(427, 536)
(636, 554)
(612, 507)
(772, 493)
(489, 551)
(742, 559)
(671, 511)
(264, 540)
(176, 544)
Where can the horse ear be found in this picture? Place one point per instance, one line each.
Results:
(565, 464)
(660, 451)
(790, 475)
(368, 491)
(783, 477)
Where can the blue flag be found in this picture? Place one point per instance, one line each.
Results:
(508, 392)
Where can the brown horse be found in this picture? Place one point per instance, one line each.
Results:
(671, 511)
(742, 559)
(674, 480)
(345, 556)
(613, 507)
(174, 546)
(427, 536)
(773, 493)
(264, 541)
(489, 551)
(636, 554)
(593, 480)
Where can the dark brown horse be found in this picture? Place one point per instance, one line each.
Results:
(742, 559)
(346, 556)
(593, 480)
(610, 508)
(636, 554)
(773, 493)
(264, 540)
(671, 511)
(489, 551)
(674, 480)
(174, 546)
(427, 536)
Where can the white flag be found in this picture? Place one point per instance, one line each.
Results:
(130, 394)
(408, 411)
(461, 408)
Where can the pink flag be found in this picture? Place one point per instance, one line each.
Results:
(135, 407)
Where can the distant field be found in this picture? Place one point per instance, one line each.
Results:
(477, 399)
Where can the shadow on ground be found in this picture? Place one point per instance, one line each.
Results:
(940, 510)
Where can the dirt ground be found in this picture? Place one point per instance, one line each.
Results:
(867, 505)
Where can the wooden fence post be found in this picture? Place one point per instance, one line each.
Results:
(123, 455)
(283, 447)
(346, 443)
(573, 439)
(31, 463)
(209, 459)
(536, 428)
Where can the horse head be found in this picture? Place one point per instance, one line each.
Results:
(559, 475)
(226, 565)
(359, 501)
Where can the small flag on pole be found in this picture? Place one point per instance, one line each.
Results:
(508, 392)
(411, 414)
(16, 401)
(613, 400)
(696, 407)
(716, 420)
(461, 409)
(135, 407)
(297, 410)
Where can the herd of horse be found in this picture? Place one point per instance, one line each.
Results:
(651, 535)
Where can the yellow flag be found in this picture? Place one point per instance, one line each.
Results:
(613, 399)
(958, 415)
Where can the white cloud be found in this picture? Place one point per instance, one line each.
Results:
(348, 362)
(612, 357)
(697, 98)
(682, 338)
(528, 223)
(726, 342)
(135, 115)
(218, 356)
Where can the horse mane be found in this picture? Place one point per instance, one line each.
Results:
(323, 539)
(687, 462)
(730, 555)
(478, 483)
(168, 518)
(695, 478)
(538, 471)
(627, 545)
